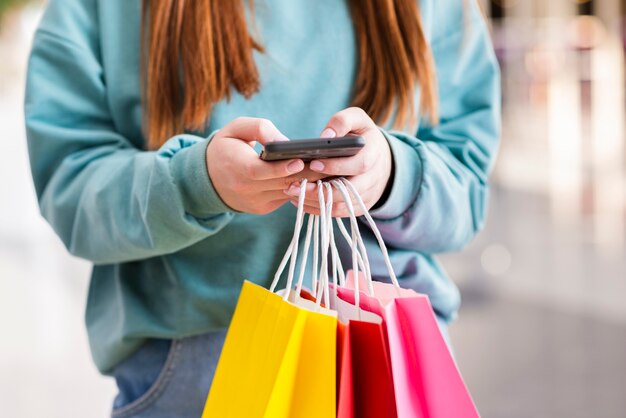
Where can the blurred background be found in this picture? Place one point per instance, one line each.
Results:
(542, 330)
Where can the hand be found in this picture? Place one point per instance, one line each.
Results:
(369, 170)
(242, 180)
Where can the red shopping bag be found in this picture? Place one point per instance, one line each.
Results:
(345, 393)
(371, 372)
(427, 382)
(365, 383)
(364, 380)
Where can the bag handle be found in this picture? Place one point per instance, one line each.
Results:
(346, 236)
(357, 246)
(320, 284)
(375, 230)
(337, 267)
(355, 243)
(322, 226)
(292, 249)
(312, 220)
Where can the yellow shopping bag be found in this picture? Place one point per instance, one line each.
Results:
(278, 361)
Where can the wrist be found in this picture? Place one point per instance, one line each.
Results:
(408, 171)
(190, 172)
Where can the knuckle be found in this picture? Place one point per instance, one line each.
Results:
(358, 112)
(264, 128)
(292, 178)
(339, 121)
(288, 181)
(240, 120)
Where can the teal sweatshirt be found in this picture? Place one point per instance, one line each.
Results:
(169, 256)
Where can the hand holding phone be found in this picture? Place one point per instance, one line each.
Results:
(241, 179)
(370, 170)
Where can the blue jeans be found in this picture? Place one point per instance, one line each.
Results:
(167, 378)
(172, 378)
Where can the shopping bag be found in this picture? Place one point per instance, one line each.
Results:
(371, 374)
(314, 395)
(427, 382)
(345, 384)
(279, 356)
(365, 384)
(278, 360)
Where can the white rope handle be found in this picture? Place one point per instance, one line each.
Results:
(316, 232)
(327, 235)
(326, 208)
(358, 243)
(318, 281)
(292, 250)
(354, 228)
(337, 268)
(321, 227)
(374, 228)
(346, 236)
(305, 253)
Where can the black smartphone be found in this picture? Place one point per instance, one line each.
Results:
(313, 149)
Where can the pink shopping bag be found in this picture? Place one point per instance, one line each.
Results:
(427, 382)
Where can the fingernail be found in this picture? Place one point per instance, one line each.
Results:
(316, 165)
(281, 137)
(295, 166)
(328, 133)
(293, 190)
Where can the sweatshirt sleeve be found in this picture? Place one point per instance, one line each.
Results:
(108, 200)
(438, 198)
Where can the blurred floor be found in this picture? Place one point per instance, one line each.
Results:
(542, 330)
(526, 360)
(531, 353)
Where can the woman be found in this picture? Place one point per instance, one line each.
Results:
(139, 129)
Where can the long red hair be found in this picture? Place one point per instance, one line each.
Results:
(214, 55)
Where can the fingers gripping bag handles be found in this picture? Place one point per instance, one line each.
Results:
(279, 357)
(427, 382)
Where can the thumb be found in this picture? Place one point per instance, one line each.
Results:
(253, 129)
(350, 120)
